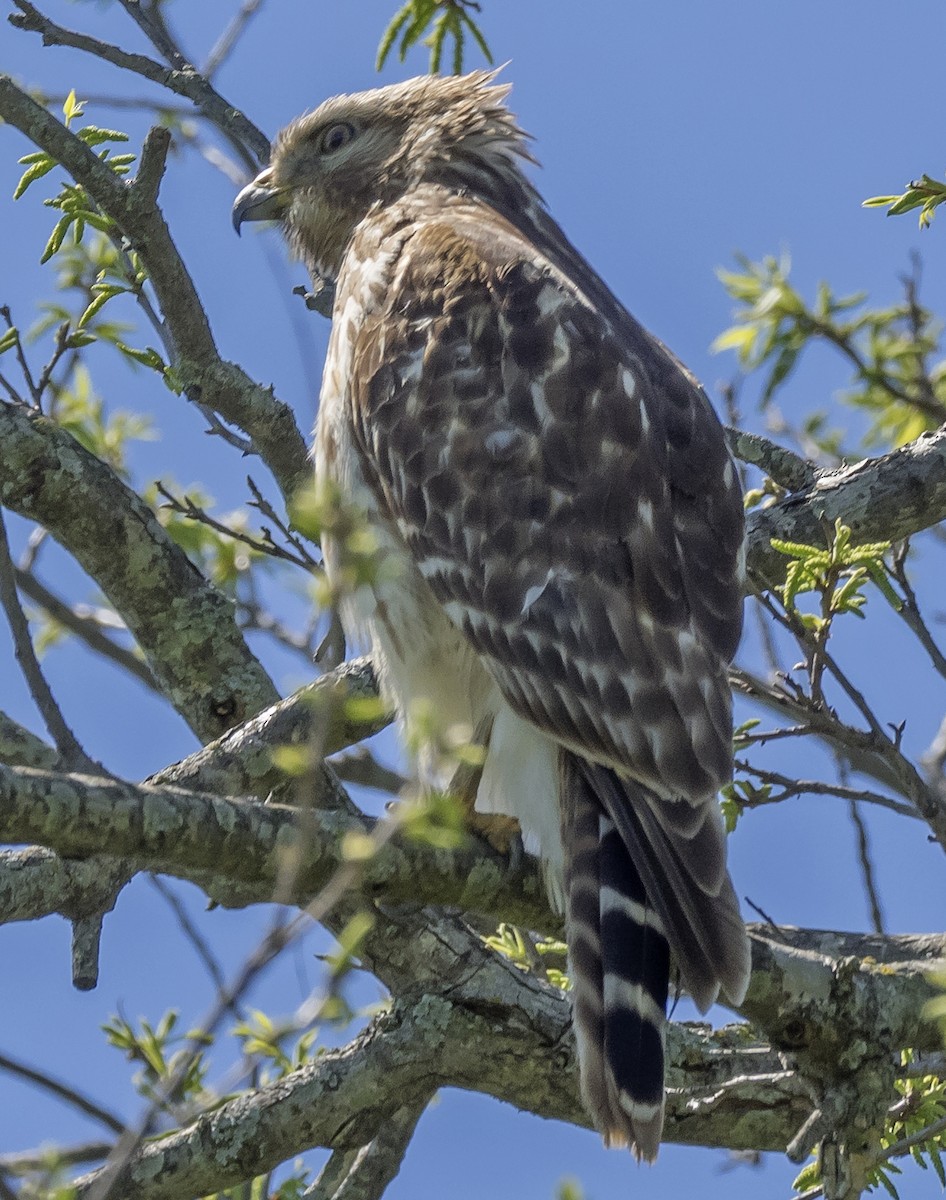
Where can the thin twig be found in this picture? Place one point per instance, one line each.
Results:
(66, 742)
(250, 142)
(360, 766)
(29, 1161)
(867, 868)
(915, 1139)
(814, 787)
(64, 1091)
(259, 501)
(196, 939)
(226, 43)
(20, 356)
(187, 508)
(83, 621)
(909, 610)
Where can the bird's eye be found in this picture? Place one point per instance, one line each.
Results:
(335, 137)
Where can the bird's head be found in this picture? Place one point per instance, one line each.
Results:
(330, 167)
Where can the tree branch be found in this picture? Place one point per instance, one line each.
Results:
(47, 476)
(64, 1091)
(82, 622)
(343, 1099)
(186, 833)
(20, 748)
(206, 378)
(67, 745)
(365, 1174)
(183, 81)
(880, 499)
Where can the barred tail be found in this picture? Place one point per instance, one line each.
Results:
(620, 969)
(643, 876)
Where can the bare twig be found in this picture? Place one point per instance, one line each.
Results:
(182, 78)
(88, 624)
(909, 609)
(867, 867)
(265, 545)
(813, 787)
(30, 1161)
(195, 937)
(228, 40)
(361, 767)
(21, 357)
(64, 1091)
(67, 744)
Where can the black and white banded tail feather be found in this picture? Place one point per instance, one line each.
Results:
(644, 878)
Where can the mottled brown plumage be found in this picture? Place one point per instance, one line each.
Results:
(567, 524)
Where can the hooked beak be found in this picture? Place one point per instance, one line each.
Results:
(260, 201)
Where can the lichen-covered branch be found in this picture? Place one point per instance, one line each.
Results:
(240, 763)
(879, 499)
(21, 748)
(364, 1174)
(724, 1089)
(342, 1100)
(186, 833)
(185, 627)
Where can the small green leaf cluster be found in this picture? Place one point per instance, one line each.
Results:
(528, 953)
(161, 1053)
(445, 19)
(95, 265)
(262, 1038)
(77, 208)
(894, 384)
(79, 409)
(320, 512)
(838, 574)
(739, 795)
(925, 193)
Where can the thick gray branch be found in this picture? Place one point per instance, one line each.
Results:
(343, 1099)
(21, 748)
(880, 499)
(241, 762)
(183, 624)
(186, 834)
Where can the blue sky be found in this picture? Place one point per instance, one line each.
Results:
(671, 136)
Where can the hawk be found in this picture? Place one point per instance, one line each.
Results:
(567, 523)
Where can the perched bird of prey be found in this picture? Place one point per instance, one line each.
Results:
(567, 524)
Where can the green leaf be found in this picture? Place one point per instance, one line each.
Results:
(55, 238)
(93, 136)
(879, 201)
(390, 34)
(98, 302)
(38, 169)
(72, 107)
(81, 338)
(149, 357)
(477, 37)
(9, 339)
